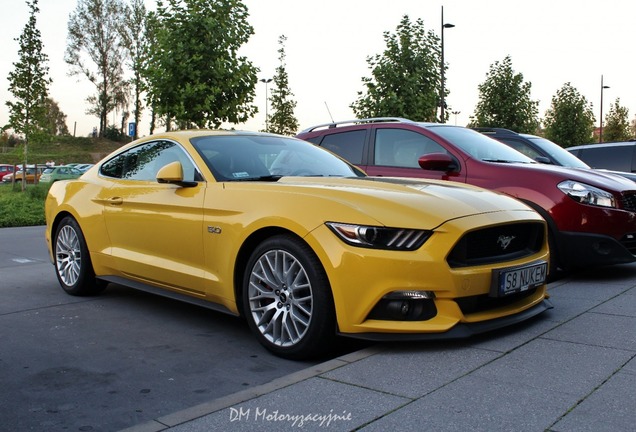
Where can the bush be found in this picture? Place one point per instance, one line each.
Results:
(19, 208)
(114, 134)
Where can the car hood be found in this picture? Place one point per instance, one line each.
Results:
(389, 201)
(600, 179)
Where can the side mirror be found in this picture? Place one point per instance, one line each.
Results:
(173, 174)
(543, 160)
(438, 162)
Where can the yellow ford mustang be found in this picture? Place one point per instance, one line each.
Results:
(299, 242)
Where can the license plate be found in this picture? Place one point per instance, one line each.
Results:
(517, 279)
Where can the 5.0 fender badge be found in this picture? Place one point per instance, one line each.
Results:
(214, 230)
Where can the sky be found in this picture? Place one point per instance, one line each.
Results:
(550, 42)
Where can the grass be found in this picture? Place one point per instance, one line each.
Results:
(63, 149)
(19, 208)
(26, 208)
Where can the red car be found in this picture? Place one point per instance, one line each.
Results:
(5, 169)
(591, 215)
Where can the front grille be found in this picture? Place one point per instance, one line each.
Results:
(497, 244)
(628, 201)
(481, 303)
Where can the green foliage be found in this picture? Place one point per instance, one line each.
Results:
(617, 127)
(504, 100)
(55, 120)
(282, 121)
(136, 42)
(95, 50)
(113, 133)
(19, 208)
(569, 121)
(28, 82)
(405, 78)
(195, 74)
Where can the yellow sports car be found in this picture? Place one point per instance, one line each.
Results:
(299, 242)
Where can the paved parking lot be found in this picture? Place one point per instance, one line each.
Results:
(131, 360)
(571, 369)
(116, 360)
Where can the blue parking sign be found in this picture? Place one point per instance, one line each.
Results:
(132, 126)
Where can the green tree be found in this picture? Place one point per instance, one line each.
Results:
(194, 72)
(94, 49)
(28, 82)
(55, 120)
(135, 37)
(282, 121)
(405, 78)
(617, 127)
(504, 100)
(569, 121)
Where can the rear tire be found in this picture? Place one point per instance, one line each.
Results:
(73, 265)
(287, 299)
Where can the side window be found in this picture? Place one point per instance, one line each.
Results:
(617, 158)
(402, 148)
(347, 145)
(142, 163)
(521, 147)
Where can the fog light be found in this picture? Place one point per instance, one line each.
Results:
(405, 308)
(395, 295)
(398, 307)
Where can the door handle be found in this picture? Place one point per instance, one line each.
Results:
(115, 201)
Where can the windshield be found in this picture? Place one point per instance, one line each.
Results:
(263, 157)
(558, 153)
(478, 145)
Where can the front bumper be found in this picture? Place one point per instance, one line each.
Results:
(585, 249)
(459, 331)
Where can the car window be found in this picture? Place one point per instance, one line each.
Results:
(618, 158)
(478, 145)
(558, 153)
(521, 147)
(348, 145)
(142, 163)
(402, 148)
(255, 157)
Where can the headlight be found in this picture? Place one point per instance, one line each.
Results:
(380, 237)
(586, 194)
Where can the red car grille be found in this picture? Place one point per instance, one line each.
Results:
(497, 244)
(628, 201)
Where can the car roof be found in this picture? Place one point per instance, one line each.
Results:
(354, 122)
(605, 144)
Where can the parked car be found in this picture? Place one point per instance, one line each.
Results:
(84, 167)
(617, 156)
(297, 241)
(33, 172)
(53, 174)
(591, 215)
(542, 150)
(6, 169)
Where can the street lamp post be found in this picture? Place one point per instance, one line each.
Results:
(600, 131)
(456, 113)
(442, 103)
(266, 81)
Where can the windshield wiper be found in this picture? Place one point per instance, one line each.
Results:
(271, 178)
(503, 161)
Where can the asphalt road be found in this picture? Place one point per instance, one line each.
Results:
(113, 361)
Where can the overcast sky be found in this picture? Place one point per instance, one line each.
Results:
(551, 42)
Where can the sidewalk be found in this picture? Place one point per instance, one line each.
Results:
(572, 368)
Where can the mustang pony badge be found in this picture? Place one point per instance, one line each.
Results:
(504, 241)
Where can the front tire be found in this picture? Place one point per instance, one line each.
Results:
(73, 265)
(287, 299)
